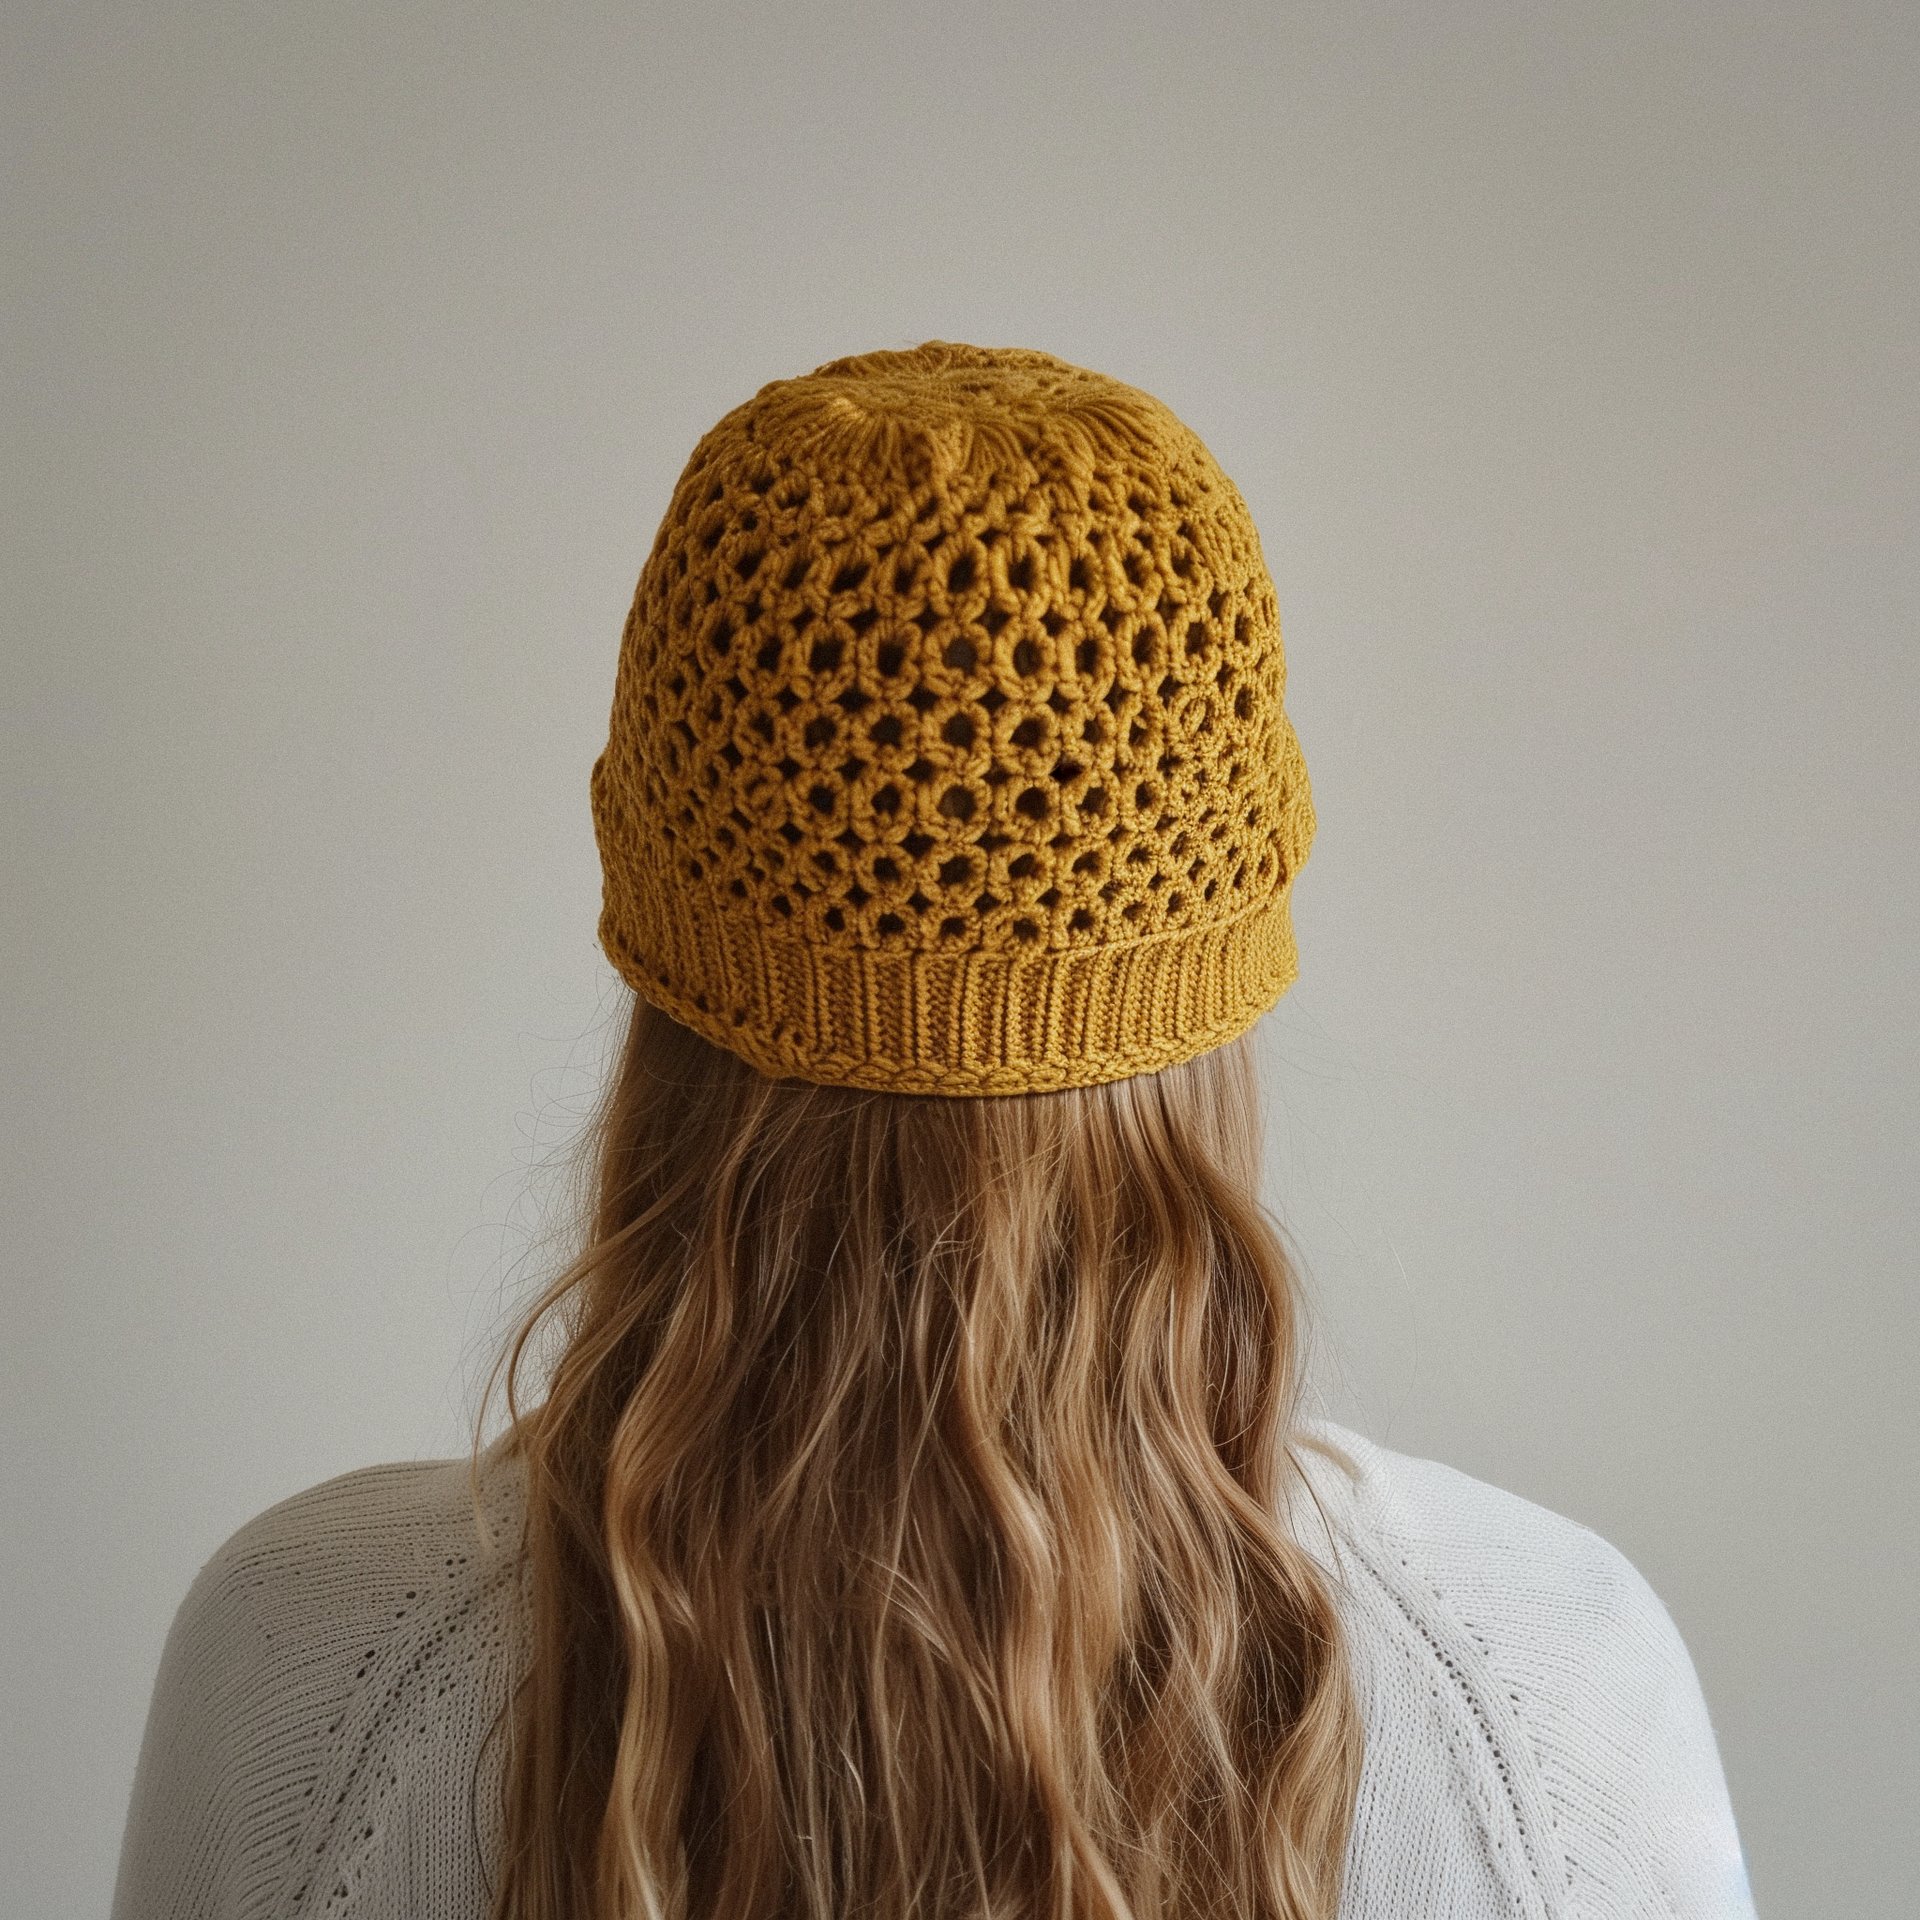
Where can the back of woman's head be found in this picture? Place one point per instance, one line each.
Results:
(906, 1514)
(907, 1505)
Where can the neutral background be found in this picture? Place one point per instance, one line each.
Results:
(1567, 358)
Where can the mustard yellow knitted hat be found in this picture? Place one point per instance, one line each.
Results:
(948, 752)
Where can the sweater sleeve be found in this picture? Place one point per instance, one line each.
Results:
(200, 1842)
(1603, 1690)
(322, 1702)
(1633, 1760)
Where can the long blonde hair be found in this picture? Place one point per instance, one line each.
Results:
(904, 1514)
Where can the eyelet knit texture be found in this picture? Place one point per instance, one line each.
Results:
(948, 750)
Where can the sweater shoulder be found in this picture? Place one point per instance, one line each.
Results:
(364, 1618)
(1412, 1496)
(1573, 1679)
(1557, 1606)
(1510, 1566)
(350, 1594)
(341, 1549)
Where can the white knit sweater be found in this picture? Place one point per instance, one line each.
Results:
(1536, 1739)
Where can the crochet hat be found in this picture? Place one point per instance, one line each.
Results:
(948, 752)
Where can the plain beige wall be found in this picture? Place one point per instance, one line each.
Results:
(1567, 358)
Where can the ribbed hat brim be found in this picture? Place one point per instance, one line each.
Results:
(980, 1022)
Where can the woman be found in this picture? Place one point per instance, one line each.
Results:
(919, 1518)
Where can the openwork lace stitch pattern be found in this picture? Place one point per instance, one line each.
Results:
(953, 679)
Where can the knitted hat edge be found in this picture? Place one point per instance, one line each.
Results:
(1019, 1022)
